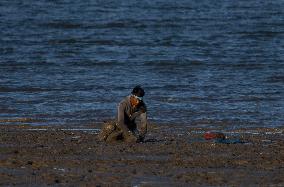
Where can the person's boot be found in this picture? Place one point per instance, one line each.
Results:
(141, 139)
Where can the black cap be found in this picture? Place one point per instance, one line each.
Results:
(138, 91)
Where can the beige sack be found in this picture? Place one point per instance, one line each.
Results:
(107, 129)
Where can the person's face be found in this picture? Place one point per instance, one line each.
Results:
(134, 101)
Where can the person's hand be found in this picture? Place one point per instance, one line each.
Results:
(130, 138)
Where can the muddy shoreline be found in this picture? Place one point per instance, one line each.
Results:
(171, 156)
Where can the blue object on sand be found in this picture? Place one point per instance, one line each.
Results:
(229, 141)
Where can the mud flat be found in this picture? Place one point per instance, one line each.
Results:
(171, 156)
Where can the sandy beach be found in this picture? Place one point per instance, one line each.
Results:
(170, 156)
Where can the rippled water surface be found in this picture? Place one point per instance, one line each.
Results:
(201, 63)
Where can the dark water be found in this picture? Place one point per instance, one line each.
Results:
(201, 62)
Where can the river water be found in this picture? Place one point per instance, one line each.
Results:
(201, 63)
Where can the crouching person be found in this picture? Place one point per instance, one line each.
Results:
(131, 124)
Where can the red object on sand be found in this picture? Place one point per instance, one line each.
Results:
(214, 135)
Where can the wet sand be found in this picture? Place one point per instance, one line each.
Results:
(170, 156)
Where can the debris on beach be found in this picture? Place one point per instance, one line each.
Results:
(220, 137)
(214, 135)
